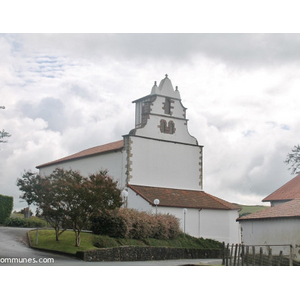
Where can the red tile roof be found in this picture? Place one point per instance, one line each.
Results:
(289, 191)
(290, 209)
(88, 152)
(182, 198)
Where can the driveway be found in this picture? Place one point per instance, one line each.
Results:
(15, 251)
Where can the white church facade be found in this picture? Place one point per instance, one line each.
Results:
(159, 159)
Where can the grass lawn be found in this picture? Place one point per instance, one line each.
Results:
(66, 243)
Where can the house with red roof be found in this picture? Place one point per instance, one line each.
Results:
(159, 167)
(278, 224)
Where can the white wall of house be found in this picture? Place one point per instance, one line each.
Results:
(113, 162)
(207, 223)
(165, 164)
(273, 232)
(137, 202)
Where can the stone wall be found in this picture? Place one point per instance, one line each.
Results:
(132, 253)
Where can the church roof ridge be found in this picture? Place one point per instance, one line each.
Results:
(114, 146)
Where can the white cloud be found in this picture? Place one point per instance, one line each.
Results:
(64, 93)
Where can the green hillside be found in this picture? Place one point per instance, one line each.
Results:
(249, 209)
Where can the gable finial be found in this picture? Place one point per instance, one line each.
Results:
(166, 75)
(155, 83)
(176, 88)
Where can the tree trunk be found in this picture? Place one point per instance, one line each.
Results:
(56, 233)
(77, 238)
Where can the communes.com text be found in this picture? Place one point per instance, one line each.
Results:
(23, 260)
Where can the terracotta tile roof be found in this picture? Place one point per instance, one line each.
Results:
(182, 198)
(88, 152)
(290, 209)
(289, 191)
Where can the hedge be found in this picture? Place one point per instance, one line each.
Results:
(6, 206)
(133, 224)
(21, 222)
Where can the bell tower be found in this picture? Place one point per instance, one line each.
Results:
(162, 115)
(160, 150)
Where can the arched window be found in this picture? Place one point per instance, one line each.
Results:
(171, 127)
(163, 126)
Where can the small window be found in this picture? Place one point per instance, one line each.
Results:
(167, 106)
(171, 127)
(163, 126)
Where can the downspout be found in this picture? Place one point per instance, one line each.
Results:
(199, 223)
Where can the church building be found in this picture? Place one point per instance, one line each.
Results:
(159, 167)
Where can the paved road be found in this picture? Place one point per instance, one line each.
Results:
(15, 251)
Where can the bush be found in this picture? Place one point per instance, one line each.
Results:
(15, 222)
(6, 206)
(21, 222)
(109, 224)
(132, 224)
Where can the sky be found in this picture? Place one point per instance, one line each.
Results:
(64, 93)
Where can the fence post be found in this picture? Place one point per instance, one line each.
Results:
(247, 255)
(291, 255)
(235, 253)
(223, 254)
(270, 256)
(231, 252)
(279, 258)
(260, 256)
(243, 254)
(253, 255)
(239, 254)
(227, 252)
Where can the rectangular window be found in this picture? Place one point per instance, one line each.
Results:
(167, 106)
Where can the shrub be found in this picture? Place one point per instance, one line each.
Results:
(6, 206)
(109, 224)
(21, 222)
(133, 224)
(15, 222)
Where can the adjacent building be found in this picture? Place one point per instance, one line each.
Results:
(279, 224)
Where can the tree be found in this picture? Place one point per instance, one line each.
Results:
(65, 197)
(40, 191)
(293, 159)
(3, 133)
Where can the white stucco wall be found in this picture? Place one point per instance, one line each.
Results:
(218, 225)
(165, 164)
(113, 162)
(273, 232)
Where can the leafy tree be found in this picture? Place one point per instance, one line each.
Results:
(3, 133)
(39, 191)
(293, 159)
(65, 197)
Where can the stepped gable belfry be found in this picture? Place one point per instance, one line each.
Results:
(161, 114)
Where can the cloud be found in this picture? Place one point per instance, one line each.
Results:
(67, 92)
(236, 49)
(50, 110)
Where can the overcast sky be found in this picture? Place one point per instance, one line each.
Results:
(67, 92)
